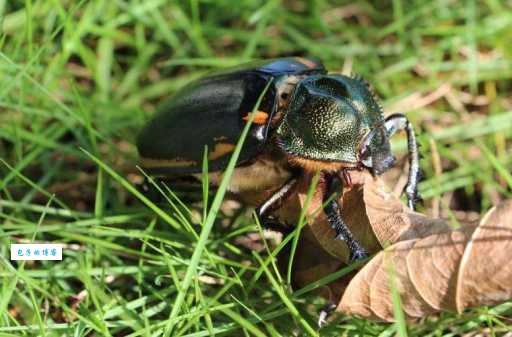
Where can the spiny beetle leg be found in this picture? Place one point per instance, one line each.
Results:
(332, 211)
(398, 122)
(274, 202)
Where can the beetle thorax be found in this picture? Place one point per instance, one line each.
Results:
(326, 120)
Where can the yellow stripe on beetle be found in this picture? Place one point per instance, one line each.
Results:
(155, 163)
(220, 150)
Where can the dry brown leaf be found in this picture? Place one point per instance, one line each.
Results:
(434, 267)
(485, 274)
(449, 271)
(390, 220)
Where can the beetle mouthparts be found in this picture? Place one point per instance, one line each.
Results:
(381, 165)
(375, 151)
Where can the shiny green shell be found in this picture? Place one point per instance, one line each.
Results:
(328, 117)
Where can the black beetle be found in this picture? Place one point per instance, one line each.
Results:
(308, 120)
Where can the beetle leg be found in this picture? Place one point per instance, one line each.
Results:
(274, 202)
(347, 180)
(397, 122)
(332, 211)
(325, 312)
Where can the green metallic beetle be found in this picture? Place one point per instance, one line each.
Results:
(308, 120)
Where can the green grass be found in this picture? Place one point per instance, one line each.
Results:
(78, 79)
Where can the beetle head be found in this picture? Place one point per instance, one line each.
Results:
(336, 118)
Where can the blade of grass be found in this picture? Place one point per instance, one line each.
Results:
(205, 183)
(502, 170)
(128, 186)
(284, 297)
(401, 325)
(302, 222)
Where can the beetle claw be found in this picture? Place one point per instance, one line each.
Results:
(358, 254)
(324, 314)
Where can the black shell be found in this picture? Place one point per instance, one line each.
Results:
(210, 112)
